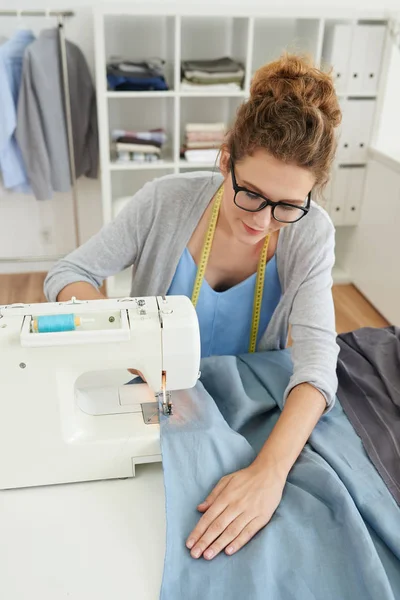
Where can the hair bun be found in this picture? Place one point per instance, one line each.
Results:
(295, 78)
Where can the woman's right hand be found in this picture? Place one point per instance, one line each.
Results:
(138, 373)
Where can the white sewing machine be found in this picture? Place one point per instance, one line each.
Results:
(65, 411)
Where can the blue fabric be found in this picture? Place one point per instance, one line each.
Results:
(11, 60)
(336, 533)
(120, 83)
(225, 317)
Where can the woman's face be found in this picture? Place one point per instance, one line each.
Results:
(262, 173)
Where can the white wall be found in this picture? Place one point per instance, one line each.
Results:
(294, 4)
(388, 134)
(374, 247)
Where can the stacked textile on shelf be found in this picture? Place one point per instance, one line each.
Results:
(222, 74)
(138, 146)
(127, 75)
(203, 142)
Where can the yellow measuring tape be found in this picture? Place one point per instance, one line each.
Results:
(201, 269)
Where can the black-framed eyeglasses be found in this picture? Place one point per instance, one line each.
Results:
(284, 212)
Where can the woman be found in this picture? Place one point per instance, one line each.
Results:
(276, 157)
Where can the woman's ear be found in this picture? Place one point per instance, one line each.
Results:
(224, 162)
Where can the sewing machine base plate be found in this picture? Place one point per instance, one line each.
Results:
(150, 413)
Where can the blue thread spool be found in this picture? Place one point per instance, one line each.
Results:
(54, 323)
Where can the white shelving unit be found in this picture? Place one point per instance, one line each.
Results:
(175, 33)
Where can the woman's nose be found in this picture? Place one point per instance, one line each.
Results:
(263, 218)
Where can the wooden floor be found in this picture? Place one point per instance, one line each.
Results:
(352, 309)
(24, 287)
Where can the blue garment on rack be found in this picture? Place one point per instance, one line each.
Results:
(11, 61)
(336, 532)
(225, 317)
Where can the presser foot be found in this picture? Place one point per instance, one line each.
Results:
(165, 396)
(166, 405)
(151, 410)
(167, 409)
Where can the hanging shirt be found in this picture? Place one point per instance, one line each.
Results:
(225, 317)
(42, 129)
(11, 59)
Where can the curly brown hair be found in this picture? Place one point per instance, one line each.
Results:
(292, 113)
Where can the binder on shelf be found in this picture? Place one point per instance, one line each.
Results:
(336, 53)
(365, 59)
(361, 116)
(355, 133)
(338, 195)
(346, 194)
(353, 200)
(376, 40)
(358, 60)
(344, 136)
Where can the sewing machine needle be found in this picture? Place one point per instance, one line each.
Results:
(164, 385)
(167, 406)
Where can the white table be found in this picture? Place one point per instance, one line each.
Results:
(101, 540)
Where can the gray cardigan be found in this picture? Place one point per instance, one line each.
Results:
(41, 127)
(151, 233)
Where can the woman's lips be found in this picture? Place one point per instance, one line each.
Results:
(252, 231)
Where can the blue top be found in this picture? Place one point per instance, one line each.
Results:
(11, 61)
(225, 317)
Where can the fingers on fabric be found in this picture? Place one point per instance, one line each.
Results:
(205, 521)
(136, 372)
(245, 536)
(221, 485)
(231, 533)
(212, 529)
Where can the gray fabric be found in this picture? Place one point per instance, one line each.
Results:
(218, 65)
(41, 128)
(151, 233)
(369, 391)
(336, 532)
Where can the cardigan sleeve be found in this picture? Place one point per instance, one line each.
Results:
(312, 318)
(114, 248)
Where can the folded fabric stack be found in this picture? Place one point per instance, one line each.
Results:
(138, 146)
(203, 142)
(221, 74)
(136, 76)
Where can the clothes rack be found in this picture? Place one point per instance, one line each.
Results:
(60, 16)
(394, 30)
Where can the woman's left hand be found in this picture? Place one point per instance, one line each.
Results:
(239, 506)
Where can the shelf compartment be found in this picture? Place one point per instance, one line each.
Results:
(137, 37)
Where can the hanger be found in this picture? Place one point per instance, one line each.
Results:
(48, 19)
(20, 21)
